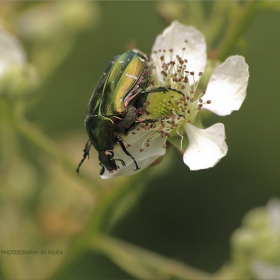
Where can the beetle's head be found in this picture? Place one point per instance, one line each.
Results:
(101, 135)
(107, 161)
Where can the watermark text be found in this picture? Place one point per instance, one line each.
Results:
(31, 252)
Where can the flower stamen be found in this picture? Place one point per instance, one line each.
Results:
(182, 137)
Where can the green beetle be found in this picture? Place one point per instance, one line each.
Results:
(112, 109)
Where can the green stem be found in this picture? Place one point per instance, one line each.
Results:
(99, 221)
(236, 28)
(34, 136)
(142, 263)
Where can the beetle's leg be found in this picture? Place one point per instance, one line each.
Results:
(147, 120)
(86, 154)
(126, 152)
(134, 92)
(102, 170)
(122, 162)
(123, 125)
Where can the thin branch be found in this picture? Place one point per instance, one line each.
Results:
(143, 263)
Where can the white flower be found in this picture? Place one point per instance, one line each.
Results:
(178, 61)
(11, 52)
(264, 271)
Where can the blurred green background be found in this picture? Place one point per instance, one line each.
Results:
(187, 216)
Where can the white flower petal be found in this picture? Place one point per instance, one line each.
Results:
(206, 146)
(143, 159)
(227, 86)
(174, 37)
(11, 52)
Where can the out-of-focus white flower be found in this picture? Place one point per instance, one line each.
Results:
(264, 271)
(17, 76)
(11, 52)
(273, 211)
(256, 245)
(178, 61)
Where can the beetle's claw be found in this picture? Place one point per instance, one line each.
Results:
(122, 162)
(137, 168)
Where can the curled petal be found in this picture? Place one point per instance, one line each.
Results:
(206, 146)
(227, 86)
(178, 37)
(11, 52)
(143, 159)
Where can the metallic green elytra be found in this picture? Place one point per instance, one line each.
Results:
(112, 109)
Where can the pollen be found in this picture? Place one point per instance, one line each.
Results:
(173, 68)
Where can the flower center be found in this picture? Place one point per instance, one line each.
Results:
(166, 114)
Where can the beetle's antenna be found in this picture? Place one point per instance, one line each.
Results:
(86, 154)
(127, 153)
